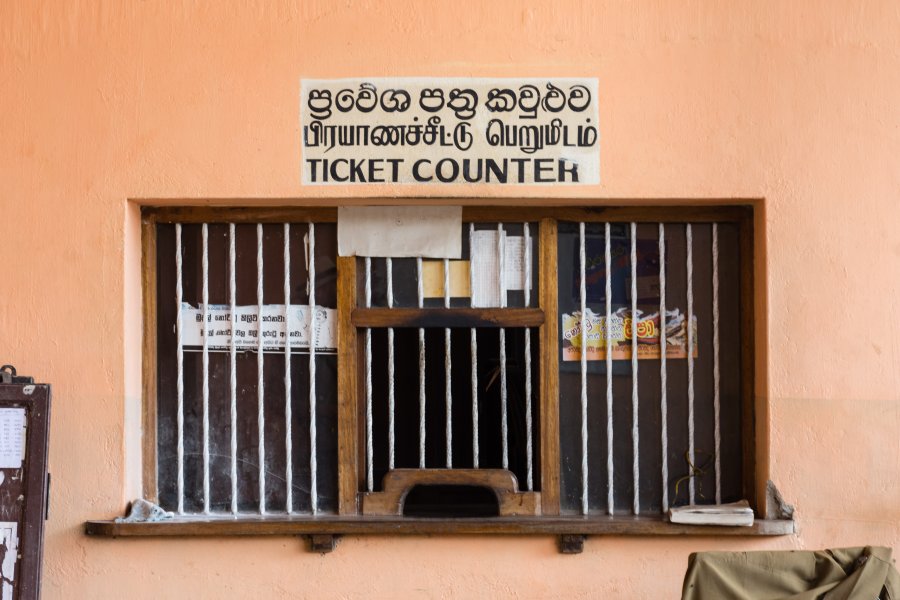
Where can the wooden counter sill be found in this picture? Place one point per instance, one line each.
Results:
(334, 525)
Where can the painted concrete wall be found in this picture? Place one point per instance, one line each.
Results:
(797, 104)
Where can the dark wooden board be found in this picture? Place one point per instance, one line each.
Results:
(23, 493)
(398, 483)
(595, 525)
(447, 317)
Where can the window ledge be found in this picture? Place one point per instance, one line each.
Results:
(334, 525)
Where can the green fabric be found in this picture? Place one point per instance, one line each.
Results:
(842, 574)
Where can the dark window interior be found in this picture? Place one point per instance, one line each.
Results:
(649, 387)
(220, 365)
(450, 501)
(406, 392)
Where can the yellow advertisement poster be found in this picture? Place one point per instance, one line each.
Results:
(621, 331)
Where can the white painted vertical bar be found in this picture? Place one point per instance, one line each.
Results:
(370, 468)
(421, 297)
(448, 389)
(582, 278)
(716, 399)
(260, 382)
(635, 431)
(389, 266)
(473, 350)
(232, 298)
(610, 505)
(179, 355)
(204, 230)
(288, 418)
(311, 315)
(690, 358)
(504, 421)
(663, 402)
(529, 444)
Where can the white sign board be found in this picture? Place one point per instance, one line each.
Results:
(450, 131)
(12, 437)
(276, 330)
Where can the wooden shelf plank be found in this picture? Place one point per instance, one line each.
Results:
(447, 317)
(298, 525)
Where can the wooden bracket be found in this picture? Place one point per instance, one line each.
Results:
(571, 543)
(398, 483)
(323, 543)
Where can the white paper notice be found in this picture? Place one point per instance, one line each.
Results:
(246, 331)
(514, 262)
(400, 231)
(9, 537)
(12, 437)
(485, 269)
(485, 265)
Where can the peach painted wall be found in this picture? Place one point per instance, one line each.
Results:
(797, 104)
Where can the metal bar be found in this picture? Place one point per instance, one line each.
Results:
(311, 315)
(232, 298)
(635, 432)
(370, 448)
(473, 349)
(204, 229)
(690, 359)
(179, 355)
(663, 401)
(260, 381)
(529, 442)
(716, 399)
(610, 504)
(421, 298)
(389, 266)
(504, 424)
(448, 388)
(288, 420)
(582, 261)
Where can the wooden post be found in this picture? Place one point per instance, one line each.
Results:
(148, 370)
(549, 352)
(348, 425)
(755, 470)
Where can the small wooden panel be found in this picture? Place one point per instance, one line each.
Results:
(323, 543)
(357, 525)
(148, 363)
(398, 483)
(549, 391)
(571, 543)
(447, 317)
(348, 380)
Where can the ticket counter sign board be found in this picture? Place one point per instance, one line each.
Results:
(440, 131)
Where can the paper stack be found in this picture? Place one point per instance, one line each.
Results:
(736, 513)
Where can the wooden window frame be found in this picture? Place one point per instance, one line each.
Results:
(351, 318)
